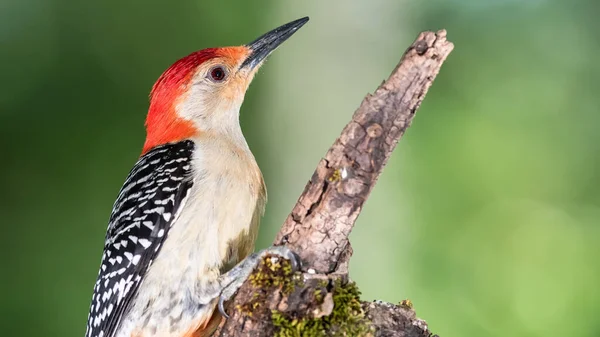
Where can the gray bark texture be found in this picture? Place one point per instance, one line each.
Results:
(319, 300)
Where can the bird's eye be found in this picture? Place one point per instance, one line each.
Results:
(218, 74)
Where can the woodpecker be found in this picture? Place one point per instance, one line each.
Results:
(181, 233)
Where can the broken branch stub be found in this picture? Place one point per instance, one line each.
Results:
(318, 226)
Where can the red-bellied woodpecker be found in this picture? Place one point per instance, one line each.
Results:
(182, 230)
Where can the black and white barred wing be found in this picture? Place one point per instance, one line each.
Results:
(148, 203)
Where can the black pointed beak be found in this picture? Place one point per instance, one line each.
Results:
(267, 43)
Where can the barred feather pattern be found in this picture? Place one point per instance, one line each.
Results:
(147, 206)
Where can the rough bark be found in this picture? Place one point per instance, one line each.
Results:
(318, 227)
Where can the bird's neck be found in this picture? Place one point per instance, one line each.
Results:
(228, 143)
(229, 158)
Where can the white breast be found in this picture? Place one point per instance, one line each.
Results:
(221, 205)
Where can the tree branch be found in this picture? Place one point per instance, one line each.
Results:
(278, 301)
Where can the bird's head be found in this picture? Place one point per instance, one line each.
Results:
(203, 92)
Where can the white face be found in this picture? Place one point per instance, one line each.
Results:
(215, 94)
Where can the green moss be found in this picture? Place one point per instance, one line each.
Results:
(406, 304)
(346, 319)
(335, 176)
(319, 295)
(272, 272)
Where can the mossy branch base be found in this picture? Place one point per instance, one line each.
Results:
(283, 303)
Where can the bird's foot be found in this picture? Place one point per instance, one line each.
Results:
(233, 279)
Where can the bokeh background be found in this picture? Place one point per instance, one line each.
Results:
(487, 216)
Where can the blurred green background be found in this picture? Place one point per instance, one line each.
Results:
(487, 217)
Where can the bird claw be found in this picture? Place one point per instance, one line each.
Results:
(294, 260)
(221, 306)
(242, 271)
(285, 253)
